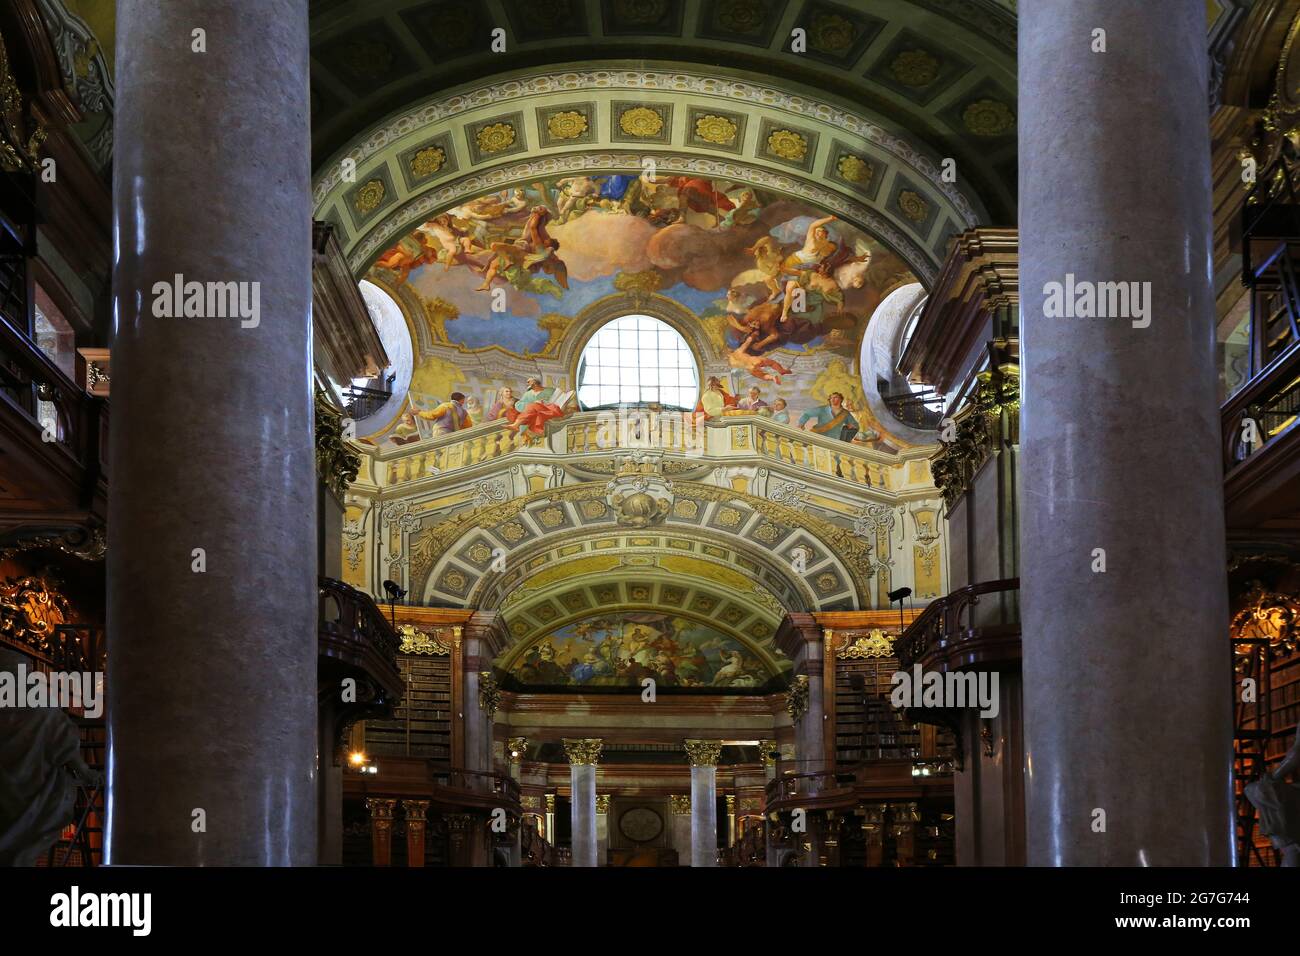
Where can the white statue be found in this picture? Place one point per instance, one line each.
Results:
(1278, 803)
(40, 765)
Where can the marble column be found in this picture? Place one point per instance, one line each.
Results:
(802, 640)
(211, 569)
(583, 754)
(680, 807)
(703, 755)
(417, 814)
(1128, 749)
(602, 827)
(516, 747)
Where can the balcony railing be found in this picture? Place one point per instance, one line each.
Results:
(902, 778)
(581, 434)
(952, 633)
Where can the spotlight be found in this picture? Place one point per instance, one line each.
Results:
(395, 592)
(893, 595)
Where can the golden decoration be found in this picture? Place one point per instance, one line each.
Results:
(639, 283)
(827, 582)
(15, 154)
(915, 68)
(703, 753)
(767, 748)
(337, 464)
(415, 641)
(988, 117)
(428, 161)
(489, 694)
(569, 124)
(831, 33)
(496, 137)
(453, 580)
(641, 121)
(992, 415)
(30, 610)
(583, 751)
(855, 169)
(876, 643)
(369, 196)
(552, 517)
(716, 129)
(602, 803)
(787, 144)
(914, 207)
(680, 804)
(796, 699)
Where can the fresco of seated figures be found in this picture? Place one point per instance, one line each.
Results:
(781, 291)
(620, 650)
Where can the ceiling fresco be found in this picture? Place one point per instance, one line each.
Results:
(765, 280)
(624, 648)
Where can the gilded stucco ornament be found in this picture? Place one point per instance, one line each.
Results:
(489, 694)
(716, 129)
(31, 608)
(415, 641)
(336, 463)
(875, 643)
(787, 144)
(369, 196)
(495, 137)
(991, 416)
(567, 124)
(428, 161)
(988, 117)
(641, 121)
(703, 753)
(914, 207)
(18, 152)
(855, 169)
(680, 804)
(915, 68)
(796, 699)
(831, 33)
(583, 751)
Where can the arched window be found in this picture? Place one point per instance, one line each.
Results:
(637, 359)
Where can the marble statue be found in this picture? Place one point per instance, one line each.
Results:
(40, 766)
(1278, 803)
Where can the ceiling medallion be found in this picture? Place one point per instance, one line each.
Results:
(428, 161)
(989, 118)
(788, 145)
(716, 129)
(644, 12)
(569, 124)
(855, 169)
(641, 121)
(496, 137)
(914, 207)
(369, 196)
(915, 68)
(831, 33)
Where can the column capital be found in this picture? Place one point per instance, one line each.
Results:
(583, 751)
(766, 748)
(381, 808)
(515, 748)
(680, 803)
(703, 753)
(602, 803)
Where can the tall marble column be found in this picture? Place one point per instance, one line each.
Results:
(1123, 593)
(703, 755)
(516, 747)
(211, 574)
(583, 754)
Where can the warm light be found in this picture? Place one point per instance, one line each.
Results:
(357, 758)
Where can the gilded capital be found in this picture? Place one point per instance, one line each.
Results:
(602, 803)
(515, 747)
(583, 751)
(681, 803)
(796, 699)
(704, 753)
(767, 748)
(489, 695)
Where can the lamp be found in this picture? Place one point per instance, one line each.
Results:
(395, 594)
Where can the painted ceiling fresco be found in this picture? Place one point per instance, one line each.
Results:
(772, 282)
(620, 650)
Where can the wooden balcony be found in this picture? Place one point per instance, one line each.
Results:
(890, 780)
(962, 631)
(53, 443)
(1261, 478)
(448, 790)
